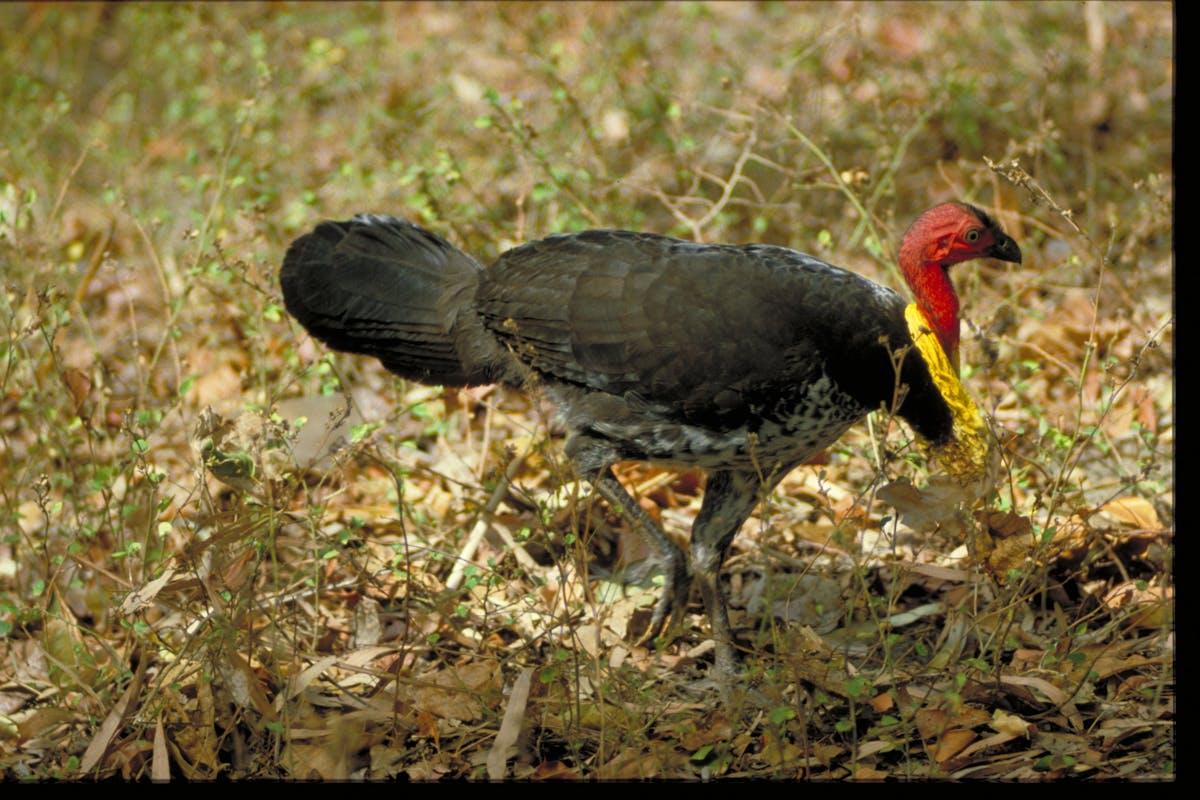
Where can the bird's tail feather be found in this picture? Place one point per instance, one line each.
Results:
(386, 288)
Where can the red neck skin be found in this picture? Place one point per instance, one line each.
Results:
(925, 260)
(939, 303)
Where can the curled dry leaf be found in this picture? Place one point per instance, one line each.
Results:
(79, 385)
(1004, 524)
(1135, 512)
(1147, 606)
(934, 507)
(1012, 541)
(1011, 724)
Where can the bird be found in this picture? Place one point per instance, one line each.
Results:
(744, 360)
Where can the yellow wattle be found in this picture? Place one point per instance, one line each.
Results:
(966, 454)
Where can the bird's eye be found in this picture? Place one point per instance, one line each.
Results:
(973, 235)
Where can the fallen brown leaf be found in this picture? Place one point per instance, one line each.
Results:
(1136, 512)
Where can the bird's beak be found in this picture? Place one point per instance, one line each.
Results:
(1004, 249)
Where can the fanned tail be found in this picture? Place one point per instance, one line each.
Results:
(383, 287)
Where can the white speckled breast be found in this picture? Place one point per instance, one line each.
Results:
(785, 436)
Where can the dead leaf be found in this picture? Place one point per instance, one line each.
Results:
(298, 683)
(367, 625)
(631, 765)
(243, 683)
(505, 743)
(1107, 666)
(216, 385)
(983, 744)
(160, 761)
(1004, 524)
(934, 722)
(112, 723)
(882, 702)
(457, 693)
(868, 749)
(952, 743)
(555, 771)
(1143, 402)
(935, 507)
(143, 596)
(1146, 606)
(190, 716)
(41, 720)
(1011, 724)
(72, 663)
(332, 755)
(1135, 512)
(1052, 693)
(427, 726)
(713, 728)
(866, 773)
(79, 385)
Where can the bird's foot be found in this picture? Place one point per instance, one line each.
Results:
(669, 611)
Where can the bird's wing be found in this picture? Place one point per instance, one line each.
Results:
(708, 332)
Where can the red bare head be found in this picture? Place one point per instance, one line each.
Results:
(944, 235)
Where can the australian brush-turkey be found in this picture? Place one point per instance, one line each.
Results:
(744, 361)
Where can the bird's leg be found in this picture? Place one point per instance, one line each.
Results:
(676, 583)
(729, 497)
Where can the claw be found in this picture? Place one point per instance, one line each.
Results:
(671, 607)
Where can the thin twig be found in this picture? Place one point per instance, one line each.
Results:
(483, 524)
